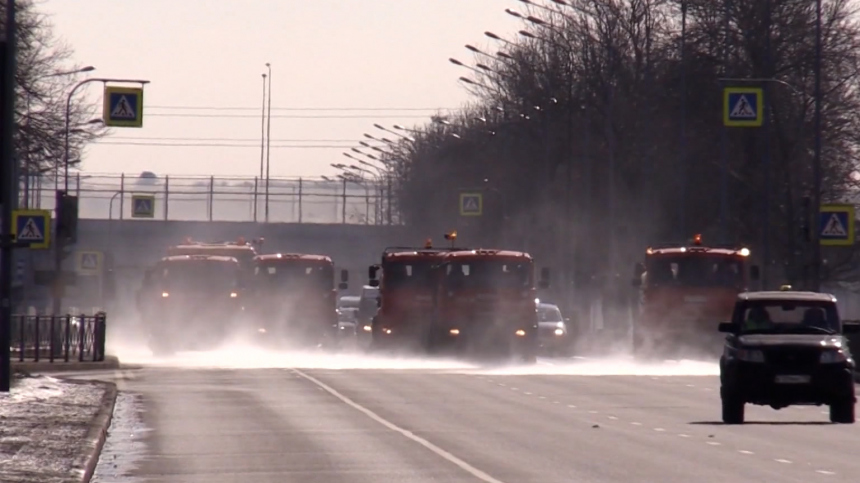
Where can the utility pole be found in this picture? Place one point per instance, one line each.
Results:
(262, 147)
(8, 190)
(816, 163)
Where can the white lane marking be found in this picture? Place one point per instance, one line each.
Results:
(634, 423)
(406, 433)
(659, 429)
(684, 435)
(612, 418)
(780, 460)
(515, 389)
(592, 412)
(527, 393)
(713, 443)
(571, 406)
(499, 383)
(541, 397)
(743, 451)
(825, 472)
(556, 402)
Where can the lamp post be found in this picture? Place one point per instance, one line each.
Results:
(58, 240)
(77, 86)
(262, 145)
(268, 139)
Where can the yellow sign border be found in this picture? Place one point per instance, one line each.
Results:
(480, 197)
(758, 92)
(136, 91)
(838, 208)
(46, 214)
(151, 198)
(79, 257)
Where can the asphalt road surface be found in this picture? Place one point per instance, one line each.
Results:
(416, 426)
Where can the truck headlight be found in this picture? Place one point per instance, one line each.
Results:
(233, 295)
(520, 333)
(750, 355)
(367, 328)
(833, 357)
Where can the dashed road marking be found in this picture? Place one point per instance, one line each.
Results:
(684, 435)
(659, 430)
(486, 478)
(713, 443)
(612, 418)
(527, 393)
(825, 472)
(634, 423)
(571, 406)
(743, 451)
(541, 397)
(780, 460)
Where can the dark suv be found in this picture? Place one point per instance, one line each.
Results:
(787, 348)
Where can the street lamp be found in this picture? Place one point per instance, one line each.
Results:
(77, 86)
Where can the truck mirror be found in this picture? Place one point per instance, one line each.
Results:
(373, 282)
(371, 272)
(544, 274)
(344, 275)
(755, 272)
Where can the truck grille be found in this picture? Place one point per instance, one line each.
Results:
(793, 359)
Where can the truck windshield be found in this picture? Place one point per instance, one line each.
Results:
(788, 317)
(695, 271)
(302, 274)
(244, 255)
(200, 275)
(407, 274)
(489, 274)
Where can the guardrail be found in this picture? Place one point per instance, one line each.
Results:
(212, 198)
(59, 338)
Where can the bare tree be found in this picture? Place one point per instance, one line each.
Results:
(45, 75)
(608, 136)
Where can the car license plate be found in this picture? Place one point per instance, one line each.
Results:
(792, 379)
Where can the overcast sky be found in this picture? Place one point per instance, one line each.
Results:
(325, 54)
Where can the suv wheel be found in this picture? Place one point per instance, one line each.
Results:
(842, 412)
(733, 410)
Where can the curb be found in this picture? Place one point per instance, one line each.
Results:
(98, 432)
(29, 367)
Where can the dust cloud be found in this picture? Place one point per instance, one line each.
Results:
(240, 353)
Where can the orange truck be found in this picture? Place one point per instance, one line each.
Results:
(295, 298)
(406, 288)
(684, 292)
(487, 300)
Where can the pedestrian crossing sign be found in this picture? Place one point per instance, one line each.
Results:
(33, 228)
(836, 225)
(143, 206)
(89, 262)
(471, 204)
(743, 106)
(123, 107)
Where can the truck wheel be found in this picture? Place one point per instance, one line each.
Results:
(842, 412)
(733, 410)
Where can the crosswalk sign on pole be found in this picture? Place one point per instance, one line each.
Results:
(89, 263)
(33, 228)
(743, 106)
(836, 225)
(123, 107)
(471, 204)
(143, 206)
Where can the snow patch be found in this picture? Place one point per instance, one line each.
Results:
(124, 447)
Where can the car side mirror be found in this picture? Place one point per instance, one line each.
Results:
(543, 283)
(343, 286)
(373, 282)
(344, 275)
(850, 328)
(727, 328)
(755, 272)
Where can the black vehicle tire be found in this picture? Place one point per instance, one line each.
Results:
(733, 410)
(842, 412)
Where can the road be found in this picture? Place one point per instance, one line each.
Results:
(424, 425)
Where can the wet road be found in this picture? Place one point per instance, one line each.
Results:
(416, 426)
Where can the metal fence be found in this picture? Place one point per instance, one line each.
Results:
(211, 198)
(59, 338)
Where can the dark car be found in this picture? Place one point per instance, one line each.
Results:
(787, 348)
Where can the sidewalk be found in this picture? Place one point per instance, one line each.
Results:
(53, 430)
(30, 367)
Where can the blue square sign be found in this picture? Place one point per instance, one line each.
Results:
(32, 228)
(123, 107)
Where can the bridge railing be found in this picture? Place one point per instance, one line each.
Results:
(212, 198)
